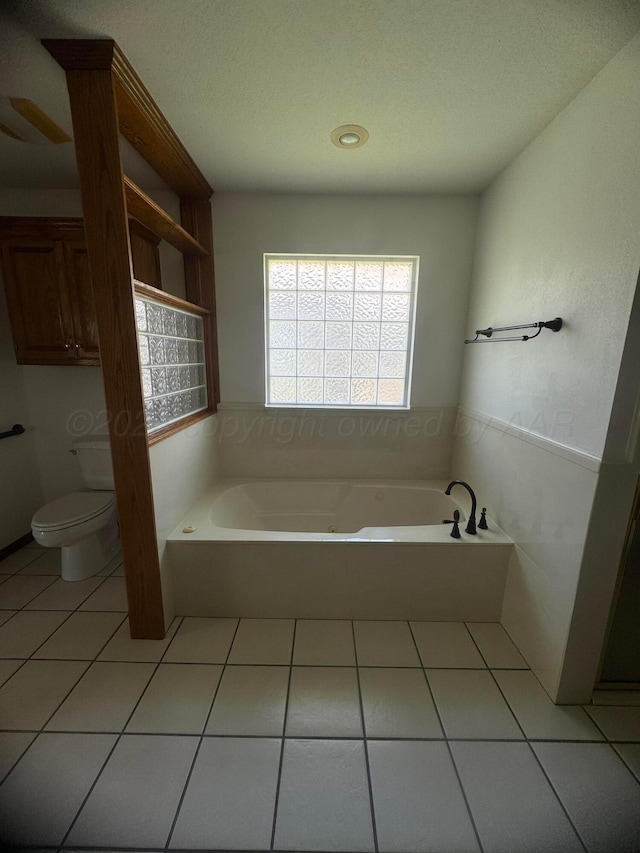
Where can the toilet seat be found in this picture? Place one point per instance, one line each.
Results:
(72, 509)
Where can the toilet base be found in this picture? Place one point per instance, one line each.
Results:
(85, 559)
(90, 555)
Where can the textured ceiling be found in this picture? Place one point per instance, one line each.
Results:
(450, 90)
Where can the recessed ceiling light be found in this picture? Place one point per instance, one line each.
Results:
(349, 136)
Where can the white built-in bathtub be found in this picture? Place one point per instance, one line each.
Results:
(335, 549)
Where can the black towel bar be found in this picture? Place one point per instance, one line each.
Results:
(554, 325)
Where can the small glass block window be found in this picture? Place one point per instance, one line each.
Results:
(171, 347)
(339, 330)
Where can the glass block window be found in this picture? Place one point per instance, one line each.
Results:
(339, 330)
(171, 346)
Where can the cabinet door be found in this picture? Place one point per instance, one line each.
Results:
(38, 301)
(82, 306)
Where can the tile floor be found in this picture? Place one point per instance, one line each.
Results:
(291, 735)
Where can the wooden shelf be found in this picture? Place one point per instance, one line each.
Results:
(146, 211)
(150, 292)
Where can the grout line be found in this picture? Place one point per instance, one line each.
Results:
(365, 742)
(117, 741)
(202, 735)
(449, 750)
(539, 763)
(21, 756)
(284, 738)
(381, 738)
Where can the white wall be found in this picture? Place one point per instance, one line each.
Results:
(440, 230)
(63, 403)
(20, 491)
(183, 466)
(559, 235)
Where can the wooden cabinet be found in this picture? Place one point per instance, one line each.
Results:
(45, 270)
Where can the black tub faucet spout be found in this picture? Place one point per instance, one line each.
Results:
(471, 524)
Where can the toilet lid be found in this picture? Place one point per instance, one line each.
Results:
(72, 509)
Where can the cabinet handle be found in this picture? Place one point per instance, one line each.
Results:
(78, 346)
(67, 346)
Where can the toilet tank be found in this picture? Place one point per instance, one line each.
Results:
(94, 456)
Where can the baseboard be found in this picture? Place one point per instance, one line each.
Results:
(15, 546)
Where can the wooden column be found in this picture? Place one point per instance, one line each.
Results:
(95, 128)
(195, 216)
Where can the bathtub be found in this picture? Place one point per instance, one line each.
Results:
(335, 549)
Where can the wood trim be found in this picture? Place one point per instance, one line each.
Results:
(139, 117)
(150, 292)
(136, 227)
(145, 210)
(200, 285)
(634, 520)
(171, 429)
(95, 125)
(50, 227)
(37, 118)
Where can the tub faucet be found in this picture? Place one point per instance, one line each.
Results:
(471, 525)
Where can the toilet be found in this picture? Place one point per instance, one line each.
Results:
(83, 524)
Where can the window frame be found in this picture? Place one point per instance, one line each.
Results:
(411, 327)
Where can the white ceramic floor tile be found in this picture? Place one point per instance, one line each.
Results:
(5, 615)
(136, 797)
(496, 646)
(64, 595)
(7, 668)
(29, 697)
(616, 697)
(324, 642)
(385, 644)
(230, 798)
(417, 799)
(471, 705)
(512, 803)
(397, 703)
(201, 641)
(18, 560)
(12, 746)
(263, 641)
(177, 699)
(112, 566)
(22, 635)
(122, 648)
(538, 715)
(617, 723)
(48, 562)
(111, 595)
(251, 700)
(446, 645)
(104, 698)
(630, 754)
(599, 793)
(43, 793)
(20, 589)
(324, 702)
(324, 797)
(81, 637)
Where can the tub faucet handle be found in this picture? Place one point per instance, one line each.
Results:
(482, 524)
(455, 532)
